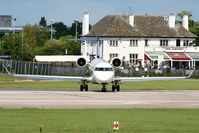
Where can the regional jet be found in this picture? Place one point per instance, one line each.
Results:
(101, 72)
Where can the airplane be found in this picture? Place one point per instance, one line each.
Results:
(101, 72)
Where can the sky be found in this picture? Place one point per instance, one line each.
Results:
(66, 11)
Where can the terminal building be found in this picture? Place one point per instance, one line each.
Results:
(7, 26)
(146, 41)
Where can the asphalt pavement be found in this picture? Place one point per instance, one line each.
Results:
(70, 99)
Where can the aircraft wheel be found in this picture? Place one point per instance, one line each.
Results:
(104, 90)
(81, 87)
(86, 87)
(113, 88)
(118, 87)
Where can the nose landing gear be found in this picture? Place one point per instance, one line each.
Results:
(104, 88)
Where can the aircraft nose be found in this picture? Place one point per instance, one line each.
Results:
(103, 77)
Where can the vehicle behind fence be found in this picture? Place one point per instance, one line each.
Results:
(39, 68)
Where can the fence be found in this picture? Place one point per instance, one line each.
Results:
(37, 68)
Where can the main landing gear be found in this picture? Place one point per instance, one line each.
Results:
(84, 86)
(115, 86)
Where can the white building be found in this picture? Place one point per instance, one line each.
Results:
(6, 22)
(145, 40)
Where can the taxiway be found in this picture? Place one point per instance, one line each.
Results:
(56, 99)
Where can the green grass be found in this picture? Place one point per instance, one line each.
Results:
(145, 85)
(7, 78)
(100, 120)
(188, 84)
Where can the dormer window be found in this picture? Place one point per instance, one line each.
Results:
(186, 43)
(164, 43)
(133, 43)
(114, 43)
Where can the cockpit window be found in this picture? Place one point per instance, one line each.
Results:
(100, 69)
(103, 69)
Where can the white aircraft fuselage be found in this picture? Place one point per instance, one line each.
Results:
(101, 71)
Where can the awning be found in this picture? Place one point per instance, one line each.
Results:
(194, 56)
(156, 54)
(146, 57)
(178, 56)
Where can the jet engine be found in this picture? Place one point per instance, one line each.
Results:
(81, 62)
(116, 62)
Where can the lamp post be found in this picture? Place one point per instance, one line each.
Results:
(51, 28)
(14, 19)
(76, 29)
(22, 42)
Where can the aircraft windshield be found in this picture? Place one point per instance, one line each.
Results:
(103, 69)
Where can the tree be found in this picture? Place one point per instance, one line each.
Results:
(72, 30)
(61, 29)
(42, 22)
(53, 47)
(193, 25)
(33, 38)
(181, 14)
(58, 47)
(12, 45)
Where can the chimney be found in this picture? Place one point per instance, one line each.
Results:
(85, 24)
(185, 22)
(172, 20)
(131, 20)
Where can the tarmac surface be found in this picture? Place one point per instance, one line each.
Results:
(59, 99)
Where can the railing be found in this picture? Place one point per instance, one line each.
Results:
(37, 68)
(173, 49)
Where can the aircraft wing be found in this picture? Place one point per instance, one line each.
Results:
(47, 77)
(134, 79)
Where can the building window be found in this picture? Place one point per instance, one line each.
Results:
(146, 43)
(133, 43)
(133, 58)
(164, 43)
(113, 55)
(83, 42)
(114, 43)
(186, 43)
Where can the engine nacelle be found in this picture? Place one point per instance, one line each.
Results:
(81, 62)
(116, 62)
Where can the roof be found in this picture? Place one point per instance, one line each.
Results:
(144, 26)
(58, 58)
